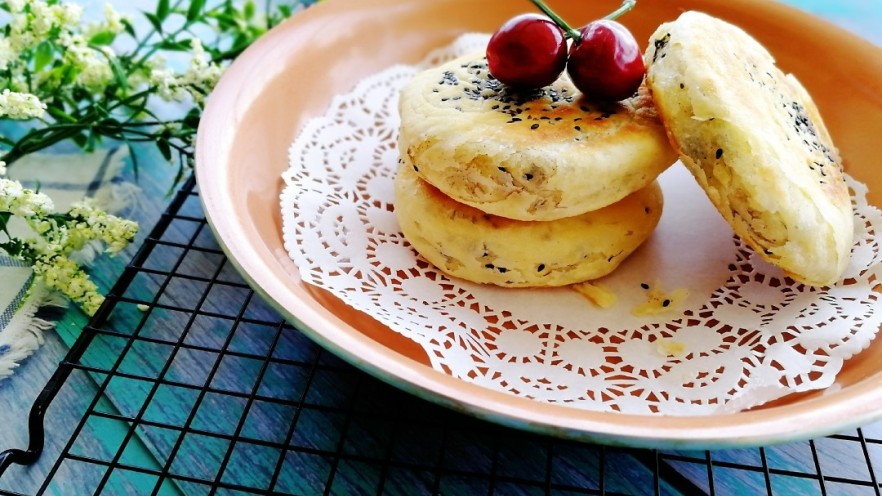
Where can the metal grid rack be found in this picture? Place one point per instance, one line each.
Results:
(198, 387)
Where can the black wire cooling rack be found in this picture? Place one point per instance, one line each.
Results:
(193, 385)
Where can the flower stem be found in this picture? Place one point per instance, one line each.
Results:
(571, 33)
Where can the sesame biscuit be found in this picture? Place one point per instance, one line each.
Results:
(465, 242)
(755, 141)
(527, 154)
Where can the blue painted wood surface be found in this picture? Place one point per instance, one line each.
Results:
(320, 430)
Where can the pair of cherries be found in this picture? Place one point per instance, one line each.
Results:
(604, 62)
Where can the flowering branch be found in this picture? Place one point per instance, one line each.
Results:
(70, 81)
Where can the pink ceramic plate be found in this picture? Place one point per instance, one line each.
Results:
(291, 74)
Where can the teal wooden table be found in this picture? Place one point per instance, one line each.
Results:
(209, 391)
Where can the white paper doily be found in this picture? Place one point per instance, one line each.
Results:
(745, 335)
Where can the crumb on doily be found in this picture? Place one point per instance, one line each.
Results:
(596, 293)
(671, 348)
(659, 301)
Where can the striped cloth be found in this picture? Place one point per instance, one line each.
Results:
(66, 179)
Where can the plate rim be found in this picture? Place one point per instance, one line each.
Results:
(824, 414)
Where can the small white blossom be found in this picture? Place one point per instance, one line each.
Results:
(42, 19)
(15, 105)
(196, 82)
(22, 201)
(7, 55)
(95, 223)
(167, 85)
(2, 168)
(67, 15)
(94, 72)
(21, 37)
(16, 6)
(63, 274)
(112, 19)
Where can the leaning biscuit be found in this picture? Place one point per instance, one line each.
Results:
(529, 155)
(465, 242)
(755, 142)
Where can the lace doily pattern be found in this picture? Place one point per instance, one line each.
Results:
(746, 334)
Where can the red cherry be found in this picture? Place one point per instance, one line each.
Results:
(528, 51)
(606, 63)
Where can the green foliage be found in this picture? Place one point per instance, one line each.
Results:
(94, 92)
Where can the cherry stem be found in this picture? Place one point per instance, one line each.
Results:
(574, 34)
(568, 30)
(626, 7)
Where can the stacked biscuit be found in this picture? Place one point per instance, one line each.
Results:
(525, 189)
(547, 189)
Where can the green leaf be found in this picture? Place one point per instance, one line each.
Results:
(102, 38)
(4, 220)
(249, 10)
(164, 148)
(133, 156)
(59, 114)
(175, 46)
(119, 72)
(162, 10)
(154, 21)
(195, 10)
(43, 55)
(129, 28)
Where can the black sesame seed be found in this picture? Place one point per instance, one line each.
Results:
(535, 126)
(540, 268)
(666, 303)
(719, 153)
(644, 285)
(578, 128)
(489, 266)
(528, 176)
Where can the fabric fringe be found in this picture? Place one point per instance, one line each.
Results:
(24, 334)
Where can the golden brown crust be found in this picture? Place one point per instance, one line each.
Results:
(754, 140)
(538, 155)
(465, 242)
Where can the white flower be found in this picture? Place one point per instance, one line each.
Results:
(63, 274)
(21, 37)
(202, 74)
(67, 15)
(16, 6)
(22, 201)
(167, 85)
(94, 72)
(42, 19)
(94, 223)
(196, 82)
(2, 168)
(15, 105)
(7, 55)
(113, 20)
